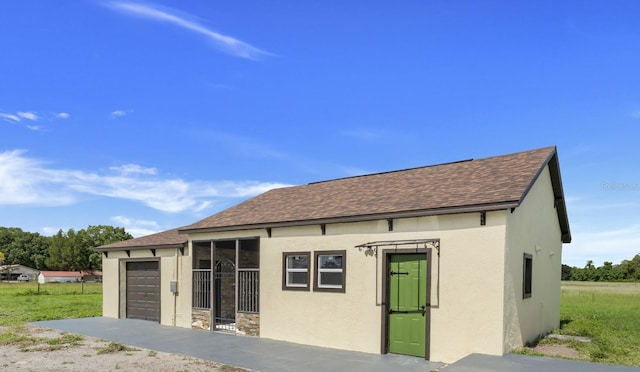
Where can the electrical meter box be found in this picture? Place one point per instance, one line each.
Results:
(173, 286)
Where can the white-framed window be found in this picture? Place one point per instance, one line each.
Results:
(295, 273)
(330, 271)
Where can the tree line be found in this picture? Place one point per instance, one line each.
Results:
(625, 271)
(66, 251)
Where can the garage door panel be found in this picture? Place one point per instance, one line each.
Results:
(143, 290)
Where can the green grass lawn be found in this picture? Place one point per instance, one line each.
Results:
(25, 302)
(609, 314)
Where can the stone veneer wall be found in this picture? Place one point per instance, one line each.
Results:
(248, 324)
(201, 319)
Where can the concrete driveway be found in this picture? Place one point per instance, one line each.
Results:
(260, 354)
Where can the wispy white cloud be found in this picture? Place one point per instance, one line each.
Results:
(137, 227)
(118, 114)
(589, 205)
(35, 128)
(24, 180)
(28, 115)
(225, 43)
(49, 231)
(9, 117)
(18, 116)
(133, 168)
(31, 116)
(603, 227)
(614, 245)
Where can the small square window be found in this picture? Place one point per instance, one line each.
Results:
(295, 273)
(527, 277)
(330, 271)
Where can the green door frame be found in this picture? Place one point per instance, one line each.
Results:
(386, 255)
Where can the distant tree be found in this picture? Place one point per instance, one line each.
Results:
(627, 270)
(578, 274)
(74, 250)
(566, 272)
(29, 249)
(609, 272)
(96, 236)
(55, 259)
(630, 269)
(23, 248)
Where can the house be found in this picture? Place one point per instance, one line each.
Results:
(59, 277)
(437, 262)
(12, 272)
(91, 275)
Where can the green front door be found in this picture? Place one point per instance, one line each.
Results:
(407, 304)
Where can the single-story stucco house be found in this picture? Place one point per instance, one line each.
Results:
(59, 277)
(437, 262)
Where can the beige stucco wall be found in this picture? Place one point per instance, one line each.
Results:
(110, 287)
(466, 284)
(468, 313)
(173, 309)
(467, 293)
(533, 228)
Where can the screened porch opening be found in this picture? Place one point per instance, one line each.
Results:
(226, 294)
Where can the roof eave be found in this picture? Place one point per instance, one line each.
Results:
(558, 193)
(360, 218)
(139, 247)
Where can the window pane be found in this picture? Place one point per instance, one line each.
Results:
(330, 278)
(297, 262)
(298, 278)
(330, 261)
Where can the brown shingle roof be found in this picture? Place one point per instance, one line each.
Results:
(497, 182)
(165, 239)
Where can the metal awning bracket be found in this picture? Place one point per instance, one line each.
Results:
(418, 243)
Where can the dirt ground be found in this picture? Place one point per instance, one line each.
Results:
(556, 351)
(31, 348)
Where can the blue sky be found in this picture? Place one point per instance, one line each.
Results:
(153, 115)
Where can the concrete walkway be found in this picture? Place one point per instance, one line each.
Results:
(260, 354)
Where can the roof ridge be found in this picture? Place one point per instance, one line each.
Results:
(392, 171)
(429, 166)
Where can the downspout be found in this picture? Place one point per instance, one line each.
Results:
(175, 294)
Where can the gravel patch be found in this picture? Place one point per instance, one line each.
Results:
(32, 348)
(557, 351)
